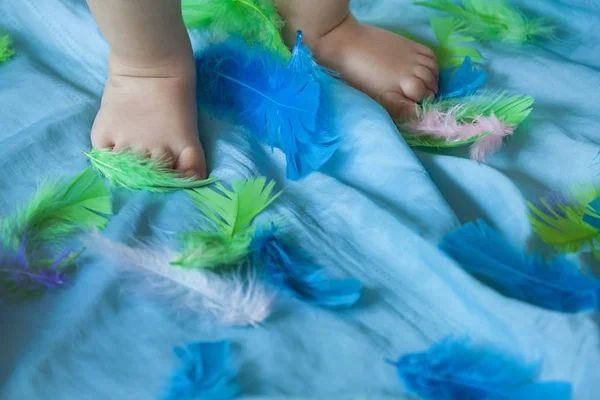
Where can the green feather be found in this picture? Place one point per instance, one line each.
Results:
(493, 20)
(130, 170)
(562, 225)
(231, 213)
(512, 109)
(59, 209)
(256, 21)
(6, 51)
(449, 34)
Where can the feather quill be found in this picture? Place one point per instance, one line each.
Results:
(285, 105)
(205, 373)
(559, 221)
(236, 299)
(256, 21)
(494, 20)
(289, 268)
(555, 284)
(454, 369)
(230, 212)
(6, 51)
(462, 81)
(133, 171)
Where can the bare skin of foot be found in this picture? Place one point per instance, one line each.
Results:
(149, 101)
(391, 69)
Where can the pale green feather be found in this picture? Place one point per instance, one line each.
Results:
(6, 51)
(231, 213)
(562, 226)
(256, 21)
(493, 20)
(130, 170)
(512, 109)
(58, 209)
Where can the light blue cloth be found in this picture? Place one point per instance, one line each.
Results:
(380, 208)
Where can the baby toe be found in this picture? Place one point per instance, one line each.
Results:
(427, 77)
(414, 88)
(397, 105)
(191, 163)
(163, 154)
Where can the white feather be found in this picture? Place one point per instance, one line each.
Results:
(238, 298)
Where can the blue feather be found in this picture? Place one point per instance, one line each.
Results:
(453, 370)
(592, 217)
(288, 267)
(555, 284)
(205, 373)
(284, 104)
(462, 81)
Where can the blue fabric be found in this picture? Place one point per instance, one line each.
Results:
(381, 207)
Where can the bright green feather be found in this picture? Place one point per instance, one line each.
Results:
(58, 209)
(256, 21)
(6, 51)
(231, 213)
(133, 171)
(512, 109)
(562, 225)
(493, 20)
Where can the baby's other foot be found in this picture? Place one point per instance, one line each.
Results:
(393, 70)
(152, 110)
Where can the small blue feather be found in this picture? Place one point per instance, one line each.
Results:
(205, 373)
(555, 284)
(592, 217)
(454, 370)
(290, 268)
(462, 81)
(284, 104)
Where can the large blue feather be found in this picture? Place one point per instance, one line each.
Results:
(205, 373)
(288, 267)
(453, 370)
(284, 104)
(555, 284)
(462, 81)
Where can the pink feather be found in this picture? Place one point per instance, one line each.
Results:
(443, 124)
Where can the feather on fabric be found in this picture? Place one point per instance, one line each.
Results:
(130, 170)
(560, 221)
(281, 104)
(493, 20)
(230, 212)
(457, 370)
(205, 373)
(6, 51)
(462, 81)
(234, 299)
(256, 21)
(289, 268)
(592, 215)
(555, 284)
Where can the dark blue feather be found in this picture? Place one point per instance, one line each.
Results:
(555, 284)
(592, 217)
(453, 370)
(284, 104)
(205, 373)
(290, 268)
(462, 81)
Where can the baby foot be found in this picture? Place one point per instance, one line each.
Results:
(152, 109)
(393, 70)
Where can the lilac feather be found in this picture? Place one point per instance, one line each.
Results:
(284, 104)
(205, 373)
(290, 268)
